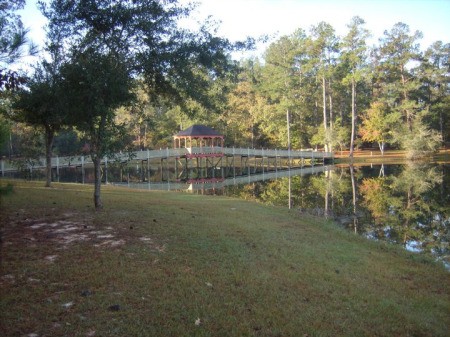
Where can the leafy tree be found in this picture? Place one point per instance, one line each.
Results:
(279, 86)
(322, 52)
(433, 73)
(67, 143)
(39, 105)
(4, 131)
(246, 106)
(398, 83)
(13, 40)
(289, 84)
(111, 43)
(354, 55)
(420, 142)
(378, 124)
(96, 85)
(340, 137)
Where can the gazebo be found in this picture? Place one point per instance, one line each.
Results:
(199, 136)
(201, 147)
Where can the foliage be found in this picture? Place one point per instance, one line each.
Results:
(13, 39)
(4, 131)
(378, 125)
(354, 55)
(421, 142)
(40, 105)
(108, 45)
(311, 89)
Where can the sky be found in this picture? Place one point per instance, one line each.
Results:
(242, 18)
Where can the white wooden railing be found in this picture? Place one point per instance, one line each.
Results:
(76, 161)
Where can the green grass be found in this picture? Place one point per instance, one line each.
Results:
(165, 260)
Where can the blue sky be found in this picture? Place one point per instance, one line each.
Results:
(242, 18)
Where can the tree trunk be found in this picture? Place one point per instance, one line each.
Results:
(352, 138)
(381, 146)
(288, 123)
(405, 98)
(330, 99)
(324, 102)
(97, 181)
(49, 136)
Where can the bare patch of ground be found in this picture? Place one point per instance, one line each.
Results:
(62, 233)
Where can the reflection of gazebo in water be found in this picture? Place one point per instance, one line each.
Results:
(200, 141)
(204, 152)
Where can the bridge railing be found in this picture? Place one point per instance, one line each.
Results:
(277, 153)
(71, 161)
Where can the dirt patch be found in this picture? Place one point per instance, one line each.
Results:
(64, 233)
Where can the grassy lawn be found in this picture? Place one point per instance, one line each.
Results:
(389, 157)
(174, 264)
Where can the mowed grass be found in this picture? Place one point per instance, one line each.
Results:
(175, 264)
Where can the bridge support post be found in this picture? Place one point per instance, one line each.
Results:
(82, 169)
(57, 168)
(106, 169)
(148, 166)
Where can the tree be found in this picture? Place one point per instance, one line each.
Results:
(96, 85)
(433, 72)
(422, 141)
(111, 43)
(4, 131)
(354, 54)
(285, 84)
(323, 47)
(398, 83)
(39, 105)
(378, 124)
(13, 40)
(246, 107)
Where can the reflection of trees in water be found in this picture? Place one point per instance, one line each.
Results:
(410, 191)
(407, 210)
(408, 204)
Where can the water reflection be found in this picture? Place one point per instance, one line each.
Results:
(404, 204)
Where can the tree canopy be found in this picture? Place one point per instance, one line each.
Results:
(107, 45)
(129, 77)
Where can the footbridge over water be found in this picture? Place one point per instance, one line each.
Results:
(184, 158)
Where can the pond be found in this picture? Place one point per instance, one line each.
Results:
(407, 204)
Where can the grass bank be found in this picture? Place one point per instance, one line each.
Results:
(171, 264)
(389, 157)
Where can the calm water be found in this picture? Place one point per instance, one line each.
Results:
(407, 204)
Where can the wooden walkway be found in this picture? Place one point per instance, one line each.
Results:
(147, 155)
